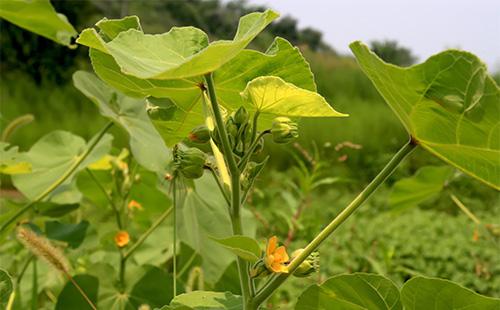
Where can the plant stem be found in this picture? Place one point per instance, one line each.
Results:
(275, 282)
(108, 197)
(465, 210)
(61, 180)
(174, 257)
(81, 291)
(251, 149)
(34, 287)
(235, 184)
(148, 232)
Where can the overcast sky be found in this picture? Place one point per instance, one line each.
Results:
(425, 26)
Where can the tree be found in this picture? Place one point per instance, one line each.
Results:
(390, 51)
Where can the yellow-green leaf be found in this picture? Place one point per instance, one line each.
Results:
(270, 94)
(449, 104)
(39, 16)
(180, 53)
(11, 161)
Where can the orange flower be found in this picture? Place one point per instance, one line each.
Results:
(134, 204)
(276, 257)
(122, 238)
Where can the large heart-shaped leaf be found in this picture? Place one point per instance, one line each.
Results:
(39, 16)
(180, 53)
(204, 213)
(449, 104)
(154, 289)
(204, 300)
(280, 60)
(354, 291)
(422, 293)
(145, 142)
(426, 183)
(71, 298)
(52, 156)
(270, 94)
(11, 160)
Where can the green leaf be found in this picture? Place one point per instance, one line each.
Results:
(243, 246)
(39, 16)
(177, 119)
(71, 298)
(430, 293)
(52, 156)
(51, 209)
(204, 300)
(153, 289)
(351, 291)
(112, 27)
(426, 183)
(11, 160)
(203, 213)
(182, 52)
(73, 234)
(6, 287)
(449, 104)
(270, 94)
(145, 142)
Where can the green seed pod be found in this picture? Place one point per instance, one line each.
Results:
(199, 134)
(191, 162)
(284, 130)
(241, 116)
(231, 128)
(307, 267)
(259, 269)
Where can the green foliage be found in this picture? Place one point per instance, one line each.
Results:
(429, 293)
(11, 160)
(181, 53)
(427, 183)
(6, 287)
(368, 291)
(145, 143)
(203, 300)
(286, 99)
(459, 123)
(72, 234)
(71, 298)
(245, 247)
(154, 288)
(356, 291)
(51, 157)
(47, 21)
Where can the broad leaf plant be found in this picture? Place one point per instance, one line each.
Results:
(166, 89)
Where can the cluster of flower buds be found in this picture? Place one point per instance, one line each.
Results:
(190, 162)
(284, 130)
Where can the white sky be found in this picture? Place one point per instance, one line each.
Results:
(425, 26)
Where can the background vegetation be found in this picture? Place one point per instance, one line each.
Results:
(330, 163)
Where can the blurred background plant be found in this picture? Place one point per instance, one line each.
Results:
(305, 184)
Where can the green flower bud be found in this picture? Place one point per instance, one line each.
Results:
(199, 134)
(260, 146)
(241, 116)
(191, 162)
(259, 269)
(231, 128)
(284, 130)
(308, 266)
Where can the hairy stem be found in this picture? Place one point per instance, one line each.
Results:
(59, 181)
(278, 279)
(235, 183)
(251, 149)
